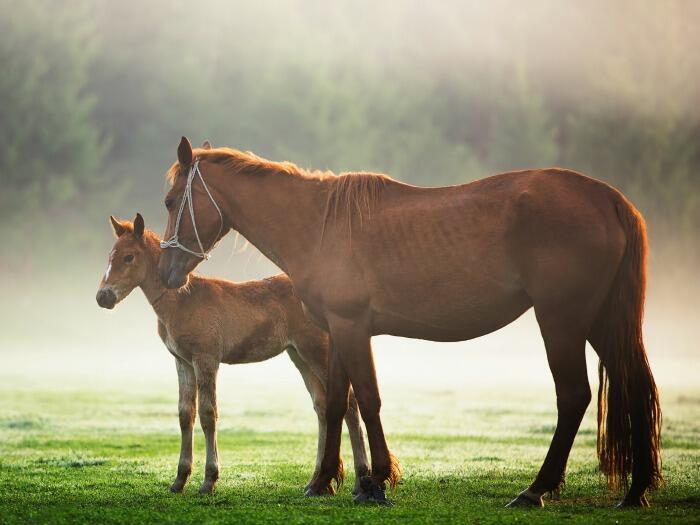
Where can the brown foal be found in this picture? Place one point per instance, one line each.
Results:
(368, 255)
(215, 321)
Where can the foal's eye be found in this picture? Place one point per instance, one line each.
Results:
(169, 203)
(128, 258)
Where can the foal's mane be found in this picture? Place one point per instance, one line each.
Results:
(354, 193)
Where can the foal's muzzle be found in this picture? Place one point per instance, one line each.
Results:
(106, 298)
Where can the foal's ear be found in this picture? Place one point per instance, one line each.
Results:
(206, 145)
(138, 226)
(117, 226)
(184, 153)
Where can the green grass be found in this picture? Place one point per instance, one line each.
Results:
(109, 457)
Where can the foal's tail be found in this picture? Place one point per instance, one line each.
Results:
(629, 415)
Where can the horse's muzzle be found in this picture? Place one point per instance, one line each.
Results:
(174, 280)
(106, 298)
(173, 269)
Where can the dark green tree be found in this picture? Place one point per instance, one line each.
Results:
(50, 147)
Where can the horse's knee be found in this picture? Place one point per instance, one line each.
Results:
(370, 406)
(186, 414)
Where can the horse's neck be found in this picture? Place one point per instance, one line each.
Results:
(280, 214)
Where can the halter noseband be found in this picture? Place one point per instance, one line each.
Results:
(174, 242)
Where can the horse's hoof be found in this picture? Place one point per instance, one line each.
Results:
(633, 502)
(527, 500)
(372, 493)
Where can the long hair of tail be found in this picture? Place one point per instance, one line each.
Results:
(629, 414)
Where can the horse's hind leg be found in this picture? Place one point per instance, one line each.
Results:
(565, 342)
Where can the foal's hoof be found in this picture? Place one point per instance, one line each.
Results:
(312, 492)
(526, 499)
(206, 488)
(371, 492)
(633, 502)
(178, 485)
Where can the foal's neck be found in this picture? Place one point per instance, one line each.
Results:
(161, 299)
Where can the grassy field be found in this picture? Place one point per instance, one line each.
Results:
(108, 456)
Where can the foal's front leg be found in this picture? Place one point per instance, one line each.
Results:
(205, 369)
(187, 410)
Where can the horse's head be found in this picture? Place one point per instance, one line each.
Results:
(128, 262)
(195, 221)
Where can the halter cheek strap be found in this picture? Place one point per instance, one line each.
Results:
(174, 242)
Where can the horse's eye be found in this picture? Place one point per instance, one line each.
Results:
(169, 203)
(128, 258)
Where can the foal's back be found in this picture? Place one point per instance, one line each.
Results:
(245, 322)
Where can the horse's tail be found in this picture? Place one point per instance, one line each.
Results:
(629, 415)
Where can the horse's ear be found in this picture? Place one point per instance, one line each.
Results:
(206, 145)
(117, 226)
(184, 153)
(138, 226)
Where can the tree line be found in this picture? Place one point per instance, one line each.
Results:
(95, 96)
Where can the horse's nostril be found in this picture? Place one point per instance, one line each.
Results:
(106, 298)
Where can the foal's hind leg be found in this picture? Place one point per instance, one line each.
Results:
(357, 441)
(318, 397)
(187, 410)
(205, 369)
(565, 342)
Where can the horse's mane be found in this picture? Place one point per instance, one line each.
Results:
(239, 161)
(355, 193)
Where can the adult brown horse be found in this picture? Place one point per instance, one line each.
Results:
(369, 255)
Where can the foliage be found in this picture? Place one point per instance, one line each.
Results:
(431, 95)
(51, 149)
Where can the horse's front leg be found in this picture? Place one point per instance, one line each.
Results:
(337, 388)
(206, 368)
(351, 341)
(187, 410)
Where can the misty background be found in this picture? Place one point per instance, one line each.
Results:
(95, 96)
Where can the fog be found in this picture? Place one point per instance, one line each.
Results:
(96, 96)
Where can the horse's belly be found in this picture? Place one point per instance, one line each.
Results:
(454, 321)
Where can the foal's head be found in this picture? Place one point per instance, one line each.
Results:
(129, 261)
